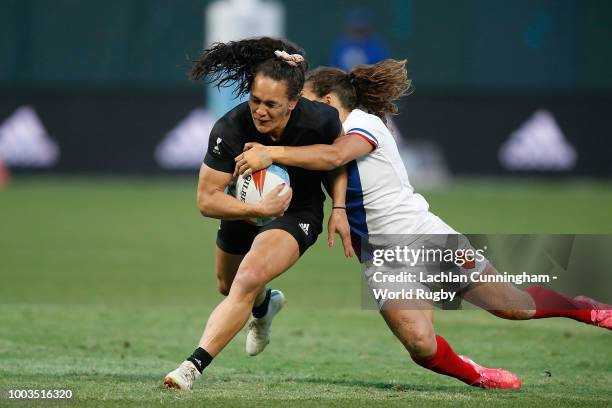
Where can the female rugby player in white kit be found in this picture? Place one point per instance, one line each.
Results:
(380, 200)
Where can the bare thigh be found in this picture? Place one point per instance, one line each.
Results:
(272, 253)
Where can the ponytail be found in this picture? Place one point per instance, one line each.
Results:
(375, 88)
(239, 61)
(379, 86)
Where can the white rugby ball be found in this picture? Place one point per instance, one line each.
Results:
(252, 189)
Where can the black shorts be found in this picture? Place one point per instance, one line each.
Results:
(236, 237)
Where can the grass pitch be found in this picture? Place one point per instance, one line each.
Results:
(106, 285)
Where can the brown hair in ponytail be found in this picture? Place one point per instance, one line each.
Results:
(376, 87)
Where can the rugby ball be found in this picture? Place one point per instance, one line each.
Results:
(253, 188)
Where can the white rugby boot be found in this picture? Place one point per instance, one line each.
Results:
(259, 331)
(183, 377)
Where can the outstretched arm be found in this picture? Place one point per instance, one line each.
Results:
(314, 157)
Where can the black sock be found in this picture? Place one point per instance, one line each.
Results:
(200, 359)
(261, 310)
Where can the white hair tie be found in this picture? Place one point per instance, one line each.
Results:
(292, 59)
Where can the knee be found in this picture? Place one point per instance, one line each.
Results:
(418, 337)
(514, 314)
(249, 280)
(421, 344)
(515, 305)
(224, 281)
(223, 286)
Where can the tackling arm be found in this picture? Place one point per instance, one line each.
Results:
(322, 157)
(314, 157)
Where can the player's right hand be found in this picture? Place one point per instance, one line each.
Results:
(273, 204)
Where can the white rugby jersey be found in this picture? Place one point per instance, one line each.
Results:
(379, 197)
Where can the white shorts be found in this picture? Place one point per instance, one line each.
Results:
(432, 233)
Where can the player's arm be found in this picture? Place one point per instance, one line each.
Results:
(314, 157)
(213, 202)
(322, 157)
(338, 222)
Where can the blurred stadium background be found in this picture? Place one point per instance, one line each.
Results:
(107, 267)
(500, 89)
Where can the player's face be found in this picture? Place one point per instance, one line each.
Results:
(270, 107)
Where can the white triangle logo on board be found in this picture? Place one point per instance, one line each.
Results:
(24, 141)
(185, 145)
(539, 144)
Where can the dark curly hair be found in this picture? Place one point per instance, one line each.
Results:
(239, 61)
(376, 87)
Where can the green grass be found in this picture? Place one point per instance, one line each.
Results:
(106, 285)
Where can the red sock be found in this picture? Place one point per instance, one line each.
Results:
(447, 362)
(552, 304)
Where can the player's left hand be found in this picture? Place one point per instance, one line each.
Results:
(338, 224)
(257, 157)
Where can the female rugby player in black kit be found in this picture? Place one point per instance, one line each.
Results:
(248, 257)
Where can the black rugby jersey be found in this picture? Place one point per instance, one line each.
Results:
(310, 123)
